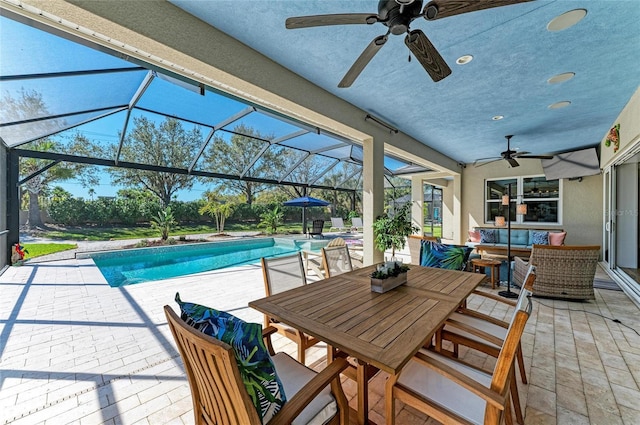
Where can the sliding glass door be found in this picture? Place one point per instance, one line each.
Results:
(621, 235)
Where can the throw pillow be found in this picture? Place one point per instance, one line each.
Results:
(557, 238)
(540, 238)
(474, 236)
(254, 362)
(443, 256)
(487, 236)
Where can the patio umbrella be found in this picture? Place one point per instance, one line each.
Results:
(304, 202)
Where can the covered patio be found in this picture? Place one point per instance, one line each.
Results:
(75, 349)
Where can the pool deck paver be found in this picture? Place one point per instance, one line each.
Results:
(75, 350)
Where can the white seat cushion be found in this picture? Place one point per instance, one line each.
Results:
(444, 392)
(294, 376)
(482, 325)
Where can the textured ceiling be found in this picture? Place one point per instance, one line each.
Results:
(514, 56)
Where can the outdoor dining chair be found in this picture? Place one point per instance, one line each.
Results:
(336, 260)
(281, 274)
(485, 333)
(220, 394)
(451, 391)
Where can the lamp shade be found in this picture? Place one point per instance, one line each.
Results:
(500, 221)
(505, 199)
(521, 209)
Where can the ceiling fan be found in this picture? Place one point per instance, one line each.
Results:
(397, 15)
(509, 155)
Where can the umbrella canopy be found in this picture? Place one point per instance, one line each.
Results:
(304, 202)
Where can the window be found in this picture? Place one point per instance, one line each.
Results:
(541, 196)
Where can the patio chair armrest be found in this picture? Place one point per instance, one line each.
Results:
(473, 331)
(266, 335)
(482, 316)
(495, 399)
(295, 405)
(494, 297)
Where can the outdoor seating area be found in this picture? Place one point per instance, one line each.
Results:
(581, 367)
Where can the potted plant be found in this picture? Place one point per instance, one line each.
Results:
(391, 231)
(388, 276)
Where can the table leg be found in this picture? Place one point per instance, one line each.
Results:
(363, 393)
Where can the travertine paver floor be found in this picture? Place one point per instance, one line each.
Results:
(74, 350)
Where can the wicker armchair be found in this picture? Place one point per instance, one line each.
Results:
(561, 271)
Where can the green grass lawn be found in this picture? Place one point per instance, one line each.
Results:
(147, 232)
(39, 249)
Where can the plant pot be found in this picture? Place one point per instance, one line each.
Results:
(383, 285)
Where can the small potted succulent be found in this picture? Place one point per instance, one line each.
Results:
(388, 276)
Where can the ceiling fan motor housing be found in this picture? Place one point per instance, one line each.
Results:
(397, 17)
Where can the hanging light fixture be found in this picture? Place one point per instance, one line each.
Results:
(500, 221)
(521, 209)
(505, 199)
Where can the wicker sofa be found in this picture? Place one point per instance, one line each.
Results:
(561, 271)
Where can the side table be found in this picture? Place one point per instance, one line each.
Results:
(478, 265)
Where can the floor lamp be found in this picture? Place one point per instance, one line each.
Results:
(506, 200)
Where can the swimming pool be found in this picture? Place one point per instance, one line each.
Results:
(130, 266)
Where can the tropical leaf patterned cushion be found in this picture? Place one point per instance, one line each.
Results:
(256, 367)
(443, 256)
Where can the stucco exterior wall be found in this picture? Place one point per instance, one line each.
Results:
(581, 201)
(629, 120)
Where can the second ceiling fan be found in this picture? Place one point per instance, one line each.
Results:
(509, 155)
(397, 16)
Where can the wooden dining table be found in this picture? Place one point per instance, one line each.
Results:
(380, 330)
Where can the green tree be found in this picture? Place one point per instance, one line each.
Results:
(271, 220)
(27, 104)
(391, 231)
(164, 222)
(218, 206)
(234, 156)
(167, 144)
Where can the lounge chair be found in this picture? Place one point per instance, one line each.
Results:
(356, 224)
(338, 223)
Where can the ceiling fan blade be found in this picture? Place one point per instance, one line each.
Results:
(365, 57)
(519, 154)
(537, 156)
(438, 9)
(512, 162)
(336, 19)
(481, 162)
(427, 55)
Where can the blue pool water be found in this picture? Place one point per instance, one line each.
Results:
(130, 266)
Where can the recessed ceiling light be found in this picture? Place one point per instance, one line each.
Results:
(497, 117)
(561, 78)
(462, 60)
(566, 20)
(559, 105)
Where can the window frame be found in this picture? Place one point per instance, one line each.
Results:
(518, 195)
